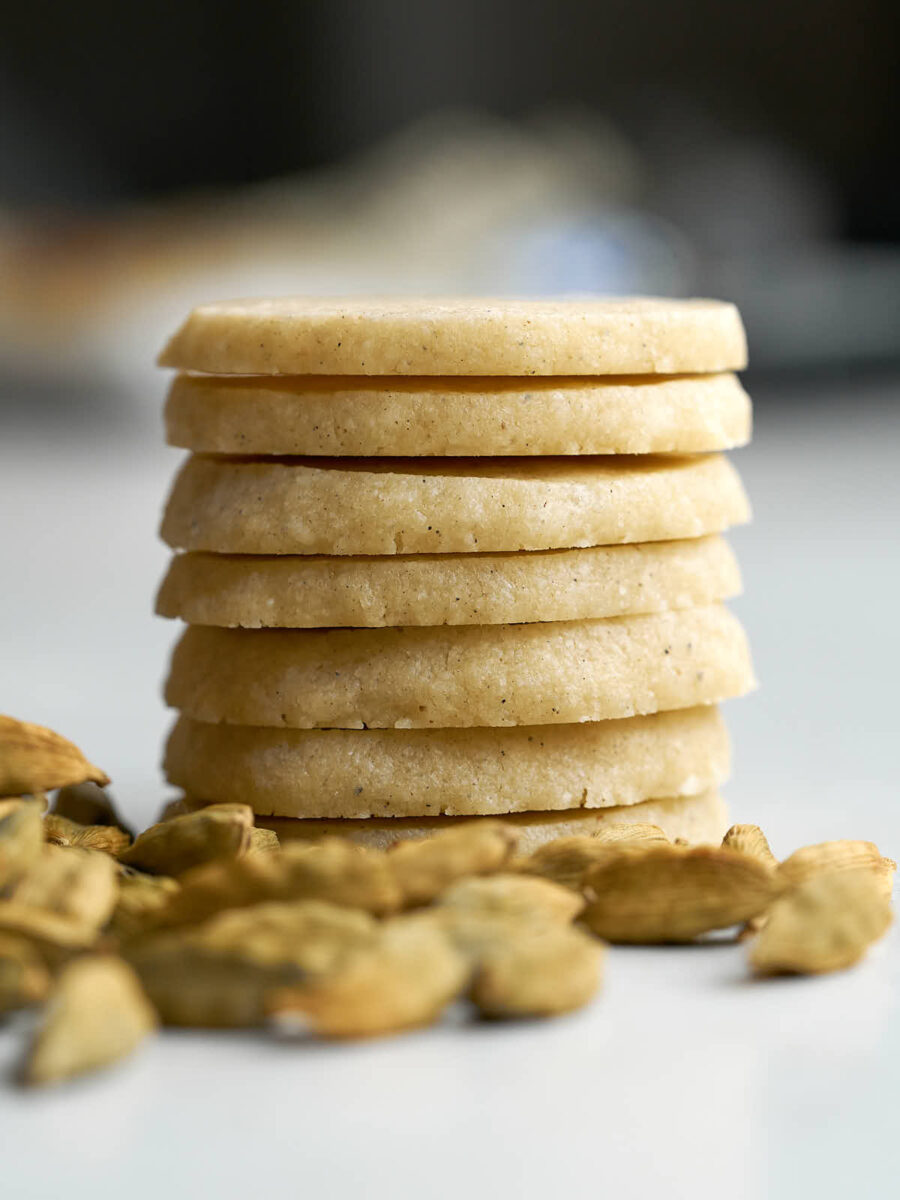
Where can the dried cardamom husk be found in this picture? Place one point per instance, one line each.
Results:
(426, 867)
(841, 855)
(674, 893)
(402, 979)
(97, 1015)
(62, 831)
(21, 841)
(221, 831)
(750, 839)
(221, 973)
(34, 759)
(825, 923)
(631, 832)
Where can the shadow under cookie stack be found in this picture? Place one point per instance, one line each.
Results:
(448, 560)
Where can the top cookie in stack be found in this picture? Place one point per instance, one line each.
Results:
(446, 559)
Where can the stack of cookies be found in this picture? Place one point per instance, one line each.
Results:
(441, 560)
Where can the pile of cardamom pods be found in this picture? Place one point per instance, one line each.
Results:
(205, 920)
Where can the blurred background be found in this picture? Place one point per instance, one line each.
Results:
(156, 156)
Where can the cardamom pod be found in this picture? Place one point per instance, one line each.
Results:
(333, 870)
(750, 839)
(404, 978)
(824, 923)
(97, 1015)
(62, 831)
(34, 759)
(426, 867)
(674, 893)
(21, 841)
(221, 973)
(840, 855)
(220, 831)
(537, 971)
(24, 978)
(528, 897)
(69, 881)
(566, 859)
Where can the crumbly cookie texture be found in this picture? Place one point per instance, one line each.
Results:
(416, 506)
(353, 336)
(340, 415)
(552, 673)
(430, 772)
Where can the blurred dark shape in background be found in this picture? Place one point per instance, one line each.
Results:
(155, 156)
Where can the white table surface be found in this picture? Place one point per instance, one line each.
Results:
(684, 1078)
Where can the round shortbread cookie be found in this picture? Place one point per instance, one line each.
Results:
(697, 819)
(455, 772)
(420, 506)
(306, 591)
(299, 335)
(555, 673)
(334, 415)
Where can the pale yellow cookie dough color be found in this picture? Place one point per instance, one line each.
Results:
(346, 416)
(314, 336)
(415, 506)
(473, 675)
(310, 591)
(455, 772)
